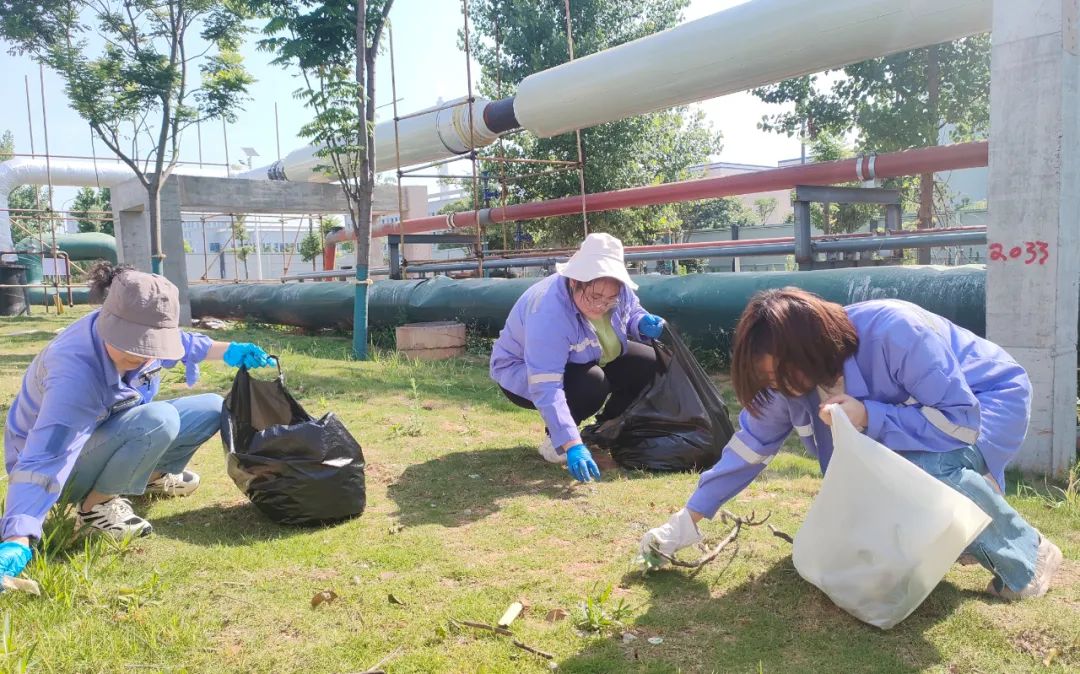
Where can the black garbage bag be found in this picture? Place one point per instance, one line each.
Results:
(678, 423)
(296, 469)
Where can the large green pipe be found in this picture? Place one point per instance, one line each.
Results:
(705, 307)
(79, 247)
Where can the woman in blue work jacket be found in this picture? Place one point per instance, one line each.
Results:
(84, 424)
(952, 403)
(572, 342)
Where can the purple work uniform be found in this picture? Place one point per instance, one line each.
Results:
(70, 389)
(928, 386)
(543, 334)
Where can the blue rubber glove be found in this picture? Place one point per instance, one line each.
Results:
(247, 355)
(581, 464)
(13, 558)
(651, 326)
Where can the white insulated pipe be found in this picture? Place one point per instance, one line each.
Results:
(429, 135)
(62, 173)
(754, 44)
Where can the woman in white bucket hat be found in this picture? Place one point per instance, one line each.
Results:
(572, 342)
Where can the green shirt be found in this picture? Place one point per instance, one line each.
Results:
(610, 346)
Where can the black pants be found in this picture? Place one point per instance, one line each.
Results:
(587, 385)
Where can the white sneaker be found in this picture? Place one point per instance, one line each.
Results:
(1046, 565)
(174, 484)
(116, 518)
(547, 450)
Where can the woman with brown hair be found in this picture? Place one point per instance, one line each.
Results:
(952, 403)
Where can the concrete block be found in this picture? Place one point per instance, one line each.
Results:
(431, 341)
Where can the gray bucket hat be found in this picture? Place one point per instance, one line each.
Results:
(141, 315)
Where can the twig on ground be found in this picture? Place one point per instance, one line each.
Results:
(237, 599)
(780, 534)
(483, 626)
(374, 669)
(535, 651)
(506, 633)
(725, 516)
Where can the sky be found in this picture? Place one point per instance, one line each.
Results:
(428, 66)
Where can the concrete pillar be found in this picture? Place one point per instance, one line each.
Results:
(132, 227)
(416, 207)
(131, 224)
(414, 202)
(172, 244)
(1034, 199)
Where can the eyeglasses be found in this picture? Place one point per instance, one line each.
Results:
(599, 301)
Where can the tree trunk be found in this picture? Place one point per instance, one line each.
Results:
(157, 257)
(361, 210)
(926, 180)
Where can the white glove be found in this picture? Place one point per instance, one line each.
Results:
(677, 533)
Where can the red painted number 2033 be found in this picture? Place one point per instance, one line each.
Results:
(1033, 252)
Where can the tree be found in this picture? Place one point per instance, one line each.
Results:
(312, 245)
(896, 102)
(131, 81)
(642, 150)
(241, 250)
(334, 45)
(27, 204)
(765, 207)
(845, 218)
(88, 208)
(719, 213)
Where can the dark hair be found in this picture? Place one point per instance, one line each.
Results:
(808, 337)
(582, 286)
(101, 276)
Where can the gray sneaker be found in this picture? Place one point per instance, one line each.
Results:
(174, 484)
(1046, 565)
(116, 518)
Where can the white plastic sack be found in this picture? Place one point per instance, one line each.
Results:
(881, 533)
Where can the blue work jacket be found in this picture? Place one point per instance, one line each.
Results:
(927, 383)
(545, 331)
(70, 388)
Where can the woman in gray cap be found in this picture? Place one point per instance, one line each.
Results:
(85, 423)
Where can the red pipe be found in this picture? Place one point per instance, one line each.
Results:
(891, 165)
(328, 255)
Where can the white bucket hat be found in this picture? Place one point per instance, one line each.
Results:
(600, 255)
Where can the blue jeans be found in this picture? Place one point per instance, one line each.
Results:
(1009, 546)
(123, 452)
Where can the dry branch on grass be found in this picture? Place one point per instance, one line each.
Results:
(501, 631)
(725, 516)
(376, 668)
(780, 534)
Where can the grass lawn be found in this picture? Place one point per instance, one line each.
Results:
(463, 519)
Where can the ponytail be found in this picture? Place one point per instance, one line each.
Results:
(101, 276)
